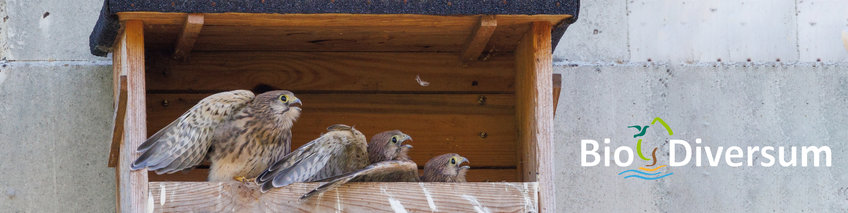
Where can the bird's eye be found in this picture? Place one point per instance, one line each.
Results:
(394, 139)
(284, 98)
(453, 161)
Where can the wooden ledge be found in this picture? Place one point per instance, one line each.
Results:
(356, 197)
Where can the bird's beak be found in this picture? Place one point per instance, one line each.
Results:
(464, 160)
(296, 102)
(405, 139)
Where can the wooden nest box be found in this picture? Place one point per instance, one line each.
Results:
(463, 76)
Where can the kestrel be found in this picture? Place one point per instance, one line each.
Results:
(246, 133)
(341, 150)
(442, 168)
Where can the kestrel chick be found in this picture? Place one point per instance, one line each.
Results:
(246, 133)
(389, 145)
(445, 168)
(341, 150)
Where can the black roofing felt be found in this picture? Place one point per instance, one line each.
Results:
(107, 26)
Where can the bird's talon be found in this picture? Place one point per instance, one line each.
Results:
(244, 180)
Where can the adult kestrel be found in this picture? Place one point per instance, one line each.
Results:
(246, 133)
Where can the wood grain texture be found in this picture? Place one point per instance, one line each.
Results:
(119, 117)
(439, 123)
(355, 197)
(557, 87)
(335, 32)
(133, 193)
(117, 76)
(534, 110)
(474, 175)
(188, 36)
(330, 72)
(479, 38)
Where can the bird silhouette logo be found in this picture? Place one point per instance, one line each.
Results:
(649, 171)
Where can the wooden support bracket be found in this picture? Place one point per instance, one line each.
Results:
(557, 87)
(132, 185)
(479, 38)
(534, 110)
(120, 114)
(187, 37)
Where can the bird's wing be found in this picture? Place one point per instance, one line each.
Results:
(299, 166)
(184, 143)
(385, 171)
(306, 163)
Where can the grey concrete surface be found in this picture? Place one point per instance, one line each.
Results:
(599, 35)
(819, 23)
(686, 31)
(50, 29)
(726, 105)
(55, 132)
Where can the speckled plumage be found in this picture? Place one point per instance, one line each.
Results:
(389, 145)
(245, 133)
(445, 168)
(341, 150)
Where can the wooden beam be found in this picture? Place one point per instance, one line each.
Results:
(330, 71)
(479, 37)
(557, 87)
(119, 91)
(185, 41)
(354, 197)
(133, 188)
(534, 110)
(334, 32)
(118, 124)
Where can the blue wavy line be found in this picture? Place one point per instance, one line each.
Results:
(648, 178)
(640, 172)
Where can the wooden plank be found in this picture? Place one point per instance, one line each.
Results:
(475, 175)
(335, 32)
(119, 117)
(439, 123)
(355, 197)
(323, 39)
(119, 79)
(330, 72)
(557, 87)
(534, 110)
(479, 38)
(185, 41)
(133, 193)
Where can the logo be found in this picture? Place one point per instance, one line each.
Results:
(699, 154)
(649, 171)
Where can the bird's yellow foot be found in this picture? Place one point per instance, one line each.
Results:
(244, 180)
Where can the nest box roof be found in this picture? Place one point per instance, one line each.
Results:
(108, 25)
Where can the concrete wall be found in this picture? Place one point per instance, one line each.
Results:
(56, 103)
(626, 62)
(55, 109)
